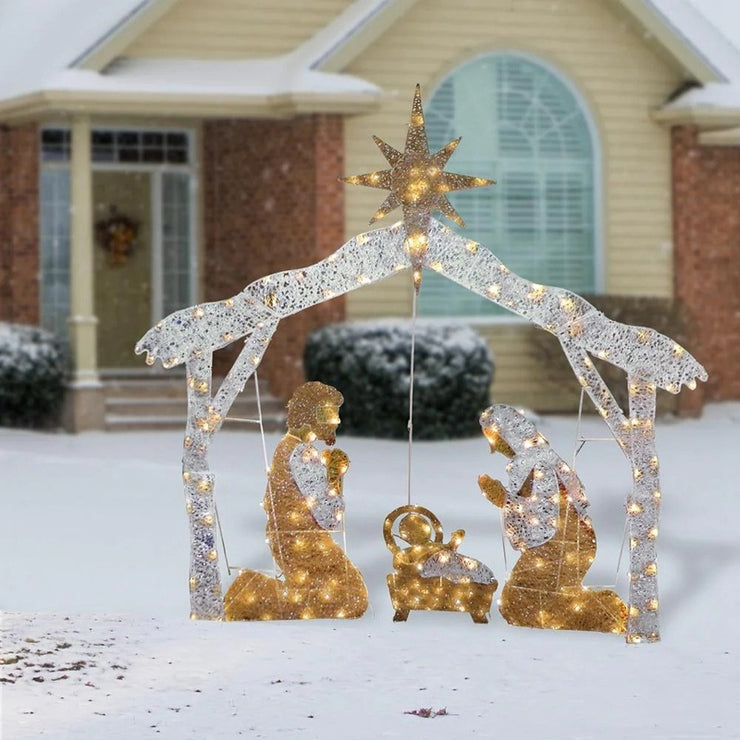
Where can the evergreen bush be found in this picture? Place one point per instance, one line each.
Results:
(369, 363)
(32, 371)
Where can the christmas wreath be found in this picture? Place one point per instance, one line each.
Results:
(117, 235)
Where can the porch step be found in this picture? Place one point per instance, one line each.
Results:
(151, 403)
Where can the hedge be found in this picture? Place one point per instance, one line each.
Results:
(32, 373)
(369, 363)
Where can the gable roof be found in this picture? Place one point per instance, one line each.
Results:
(106, 48)
(80, 69)
(670, 26)
(716, 103)
(40, 37)
(725, 18)
(74, 63)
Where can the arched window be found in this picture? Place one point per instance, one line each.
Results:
(523, 127)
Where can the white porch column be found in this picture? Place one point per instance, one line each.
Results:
(85, 402)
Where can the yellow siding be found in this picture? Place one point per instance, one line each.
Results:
(522, 378)
(519, 379)
(621, 80)
(233, 29)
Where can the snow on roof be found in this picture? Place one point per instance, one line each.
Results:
(724, 15)
(248, 77)
(41, 42)
(325, 49)
(711, 101)
(689, 20)
(64, 31)
(38, 38)
(713, 27)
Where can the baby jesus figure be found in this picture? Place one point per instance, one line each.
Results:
(431, 574)
(431, 559)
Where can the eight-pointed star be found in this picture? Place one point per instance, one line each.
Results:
(418, 183)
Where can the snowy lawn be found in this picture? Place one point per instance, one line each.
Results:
(94, 559)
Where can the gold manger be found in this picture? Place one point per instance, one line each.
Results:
(430, 575)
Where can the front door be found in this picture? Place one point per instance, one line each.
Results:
(123, 260)
(139, 279)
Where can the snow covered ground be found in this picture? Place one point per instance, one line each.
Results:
(94, 586)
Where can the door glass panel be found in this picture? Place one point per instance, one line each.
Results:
(176, 241)
(54, 219)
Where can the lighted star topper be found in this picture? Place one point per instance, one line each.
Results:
(418, 183)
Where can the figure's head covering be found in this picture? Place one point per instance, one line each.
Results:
(531, 520)
(512, 425)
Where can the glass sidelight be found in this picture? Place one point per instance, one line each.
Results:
(176, 247)
(54, 246)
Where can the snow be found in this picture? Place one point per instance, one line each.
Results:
(40, 41)
(689, 20)
(94, 568)
(713, 28)
(63, 30)
(714, 96)
(724, 15)
(355, 18)
(244, 78)
(40, 37)
(22, 347)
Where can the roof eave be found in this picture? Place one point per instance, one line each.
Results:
(183, 105)
(725, 137)
(700, 115)
(330, 50)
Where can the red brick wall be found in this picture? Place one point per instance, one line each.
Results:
(272, 201)
(706, 226)
(19, 224)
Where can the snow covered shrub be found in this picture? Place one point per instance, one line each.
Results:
(32, 373)
(369, 363)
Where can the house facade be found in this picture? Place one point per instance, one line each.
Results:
(175, 151)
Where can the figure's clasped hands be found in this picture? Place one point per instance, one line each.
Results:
(493, 490)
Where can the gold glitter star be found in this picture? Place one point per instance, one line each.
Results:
(418, 183)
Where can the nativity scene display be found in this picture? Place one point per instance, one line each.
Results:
(544, 503)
